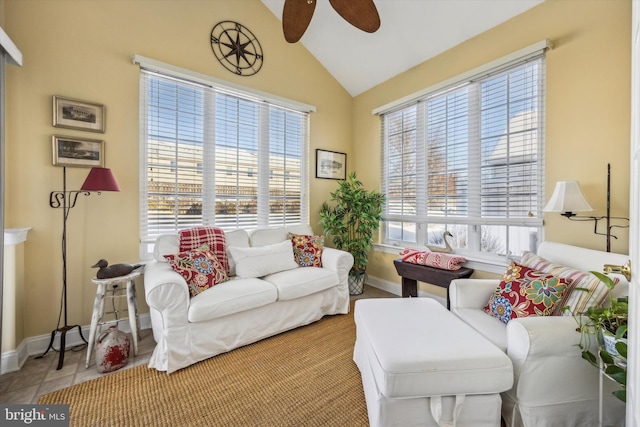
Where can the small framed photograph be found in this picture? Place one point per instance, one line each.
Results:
(77, 152)
(81, 115)
(331, 164)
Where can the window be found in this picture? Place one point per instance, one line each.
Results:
(468, 158)
(207, 156)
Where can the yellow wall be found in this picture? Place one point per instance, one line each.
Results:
(587, 110)
(83, 49)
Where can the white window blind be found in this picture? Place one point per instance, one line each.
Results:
(469, 158)
(213, 156)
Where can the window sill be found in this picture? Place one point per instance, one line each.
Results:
(491, 264)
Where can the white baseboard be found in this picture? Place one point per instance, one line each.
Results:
(396, 289)
(13, 360)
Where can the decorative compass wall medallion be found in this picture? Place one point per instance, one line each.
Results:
(237, 49)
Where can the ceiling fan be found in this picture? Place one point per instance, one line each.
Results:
(297, 14)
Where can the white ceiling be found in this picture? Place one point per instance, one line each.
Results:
(411, 31)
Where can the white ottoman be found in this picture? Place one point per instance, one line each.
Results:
(421, 365)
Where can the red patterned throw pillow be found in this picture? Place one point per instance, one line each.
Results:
(307, 250)
(214, 237)
(525, 292)
(200, 268)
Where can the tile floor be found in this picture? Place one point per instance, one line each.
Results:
(39, 376)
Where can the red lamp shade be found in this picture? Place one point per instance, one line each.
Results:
(100, 179)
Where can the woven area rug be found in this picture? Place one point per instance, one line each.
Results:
(304, 377)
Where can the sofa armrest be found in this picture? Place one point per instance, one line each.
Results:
(338, 261)
(547, 362)
(471, 293)
(165, 289)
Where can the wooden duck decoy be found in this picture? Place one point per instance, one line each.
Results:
(106, 271)
(447, 247)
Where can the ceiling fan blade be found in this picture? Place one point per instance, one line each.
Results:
(361, 14)
(296, 16)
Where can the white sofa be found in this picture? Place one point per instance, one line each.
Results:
(242, 310)
(553, 385)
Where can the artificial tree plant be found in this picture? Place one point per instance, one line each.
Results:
(352, 219)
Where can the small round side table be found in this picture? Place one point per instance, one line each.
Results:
(114, 288)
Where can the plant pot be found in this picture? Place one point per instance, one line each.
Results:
(356, 284)
(609, 343)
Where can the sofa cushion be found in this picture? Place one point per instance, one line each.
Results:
(301, 282)
(166, 244)
(237, 238)
(269, 236)
(488, 326)
(263, 260)
(195, 237)
(523, 292)
(200, 268)
(233, 296)
(307, 249)
(590, 292)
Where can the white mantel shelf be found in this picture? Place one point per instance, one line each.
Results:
(15, 236)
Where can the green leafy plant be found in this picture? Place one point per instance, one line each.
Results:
(597, 321)
(353, 219)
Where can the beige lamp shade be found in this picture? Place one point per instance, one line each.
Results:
(567, 197)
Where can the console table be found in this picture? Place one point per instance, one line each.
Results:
(412, 273)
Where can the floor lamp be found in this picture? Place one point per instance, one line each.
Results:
(568, 198)
(99, 179)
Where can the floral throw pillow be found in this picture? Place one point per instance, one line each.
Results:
(199, 267)
(525, 292)
(307, 250)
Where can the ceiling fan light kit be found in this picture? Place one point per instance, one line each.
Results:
(297, 14)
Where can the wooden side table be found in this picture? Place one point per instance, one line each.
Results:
(411, 273)
(111, 288)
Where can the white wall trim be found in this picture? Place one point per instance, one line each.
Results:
(14, 56)
(15, 236)
(13, 360)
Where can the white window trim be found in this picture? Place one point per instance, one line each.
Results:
(173, 71)
(505, 61)
(477, 260)
(186, 74)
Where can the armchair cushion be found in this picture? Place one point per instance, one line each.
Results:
(591, 291)
(525, 292)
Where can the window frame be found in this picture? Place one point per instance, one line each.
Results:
(267, 106)
(421, 219)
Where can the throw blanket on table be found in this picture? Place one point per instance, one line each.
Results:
(432, 259)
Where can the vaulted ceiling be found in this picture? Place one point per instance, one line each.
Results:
(411, 32)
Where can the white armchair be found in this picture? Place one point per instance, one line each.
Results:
(553, 385)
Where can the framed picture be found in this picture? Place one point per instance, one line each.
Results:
(77, 152)
(331, 164)
(75, 114)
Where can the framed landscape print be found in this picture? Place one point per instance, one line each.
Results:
(75, 114)
(77, 152)
(331, 164)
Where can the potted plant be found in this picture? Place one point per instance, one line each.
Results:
(609, 327)
(352, 221)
